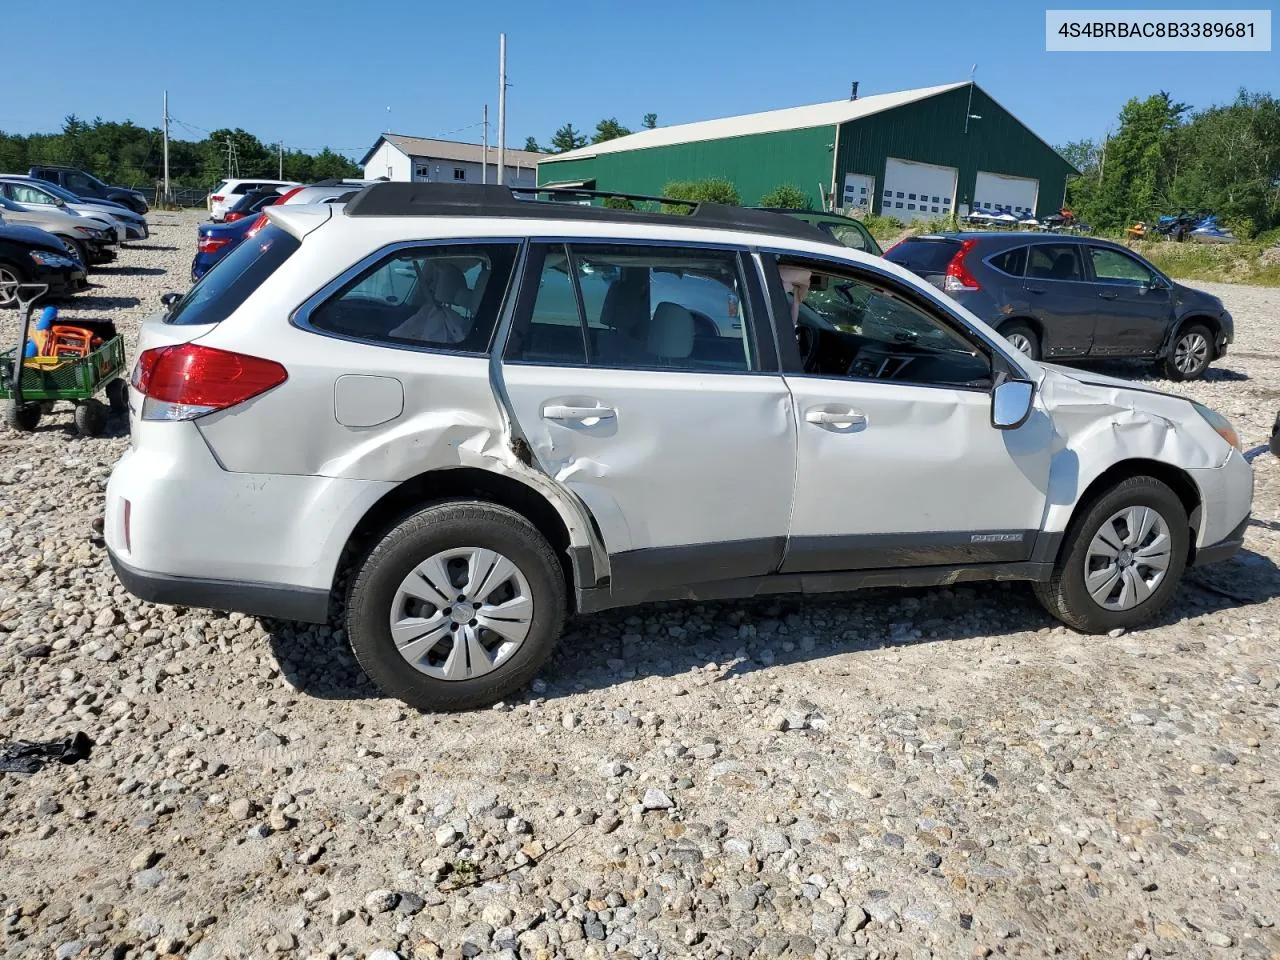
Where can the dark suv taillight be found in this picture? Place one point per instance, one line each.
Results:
(958, 279)
(187, 380)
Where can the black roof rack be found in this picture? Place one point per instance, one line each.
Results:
(495, 200)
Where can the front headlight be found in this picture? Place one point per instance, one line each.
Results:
(46, 259)
(89, 232)
(1221, 425)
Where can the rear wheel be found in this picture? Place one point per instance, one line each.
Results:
(457, 607)
(1189, 354)
(11, 277)
(1122, 561)
(118, 396)
(23, 417)
(1023, 339)
(91, 417)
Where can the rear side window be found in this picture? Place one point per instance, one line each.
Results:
(924, 255)
(1054, 261)
(220, 292)
(441, 297)
(1013, 262)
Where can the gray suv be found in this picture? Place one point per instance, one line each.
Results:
(1065, 298)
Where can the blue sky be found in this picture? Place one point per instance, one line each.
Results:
(321, 73)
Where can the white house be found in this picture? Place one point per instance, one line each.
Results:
(402, 158)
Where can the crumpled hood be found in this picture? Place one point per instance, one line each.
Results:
(1091, 378)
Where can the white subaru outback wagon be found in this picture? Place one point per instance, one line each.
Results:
(502, 411)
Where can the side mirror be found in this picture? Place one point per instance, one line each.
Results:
(170, 298)
(1011, 403)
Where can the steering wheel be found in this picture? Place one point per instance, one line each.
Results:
(807, 343)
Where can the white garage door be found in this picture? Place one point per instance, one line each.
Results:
(996, 192)
(914, 190)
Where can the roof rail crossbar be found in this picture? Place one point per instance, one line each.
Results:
(607, 194)
(497, 200)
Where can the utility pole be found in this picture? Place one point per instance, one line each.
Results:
(167, 194)
(484, 167)
(280, 174)
(502, 107)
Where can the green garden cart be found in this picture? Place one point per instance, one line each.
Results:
(31, 386)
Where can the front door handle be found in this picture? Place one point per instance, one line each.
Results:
(1036, 290)
(832, 418)
(1107, 295)
(559, 411)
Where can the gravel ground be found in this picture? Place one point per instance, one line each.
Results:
(940, 773)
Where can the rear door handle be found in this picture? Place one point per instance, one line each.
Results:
(1107, 295)
(559, 411)
(1036, 290)
(832, 418)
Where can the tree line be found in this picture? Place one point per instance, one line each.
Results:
(568, 137)
(133, 156)
(1164, 158)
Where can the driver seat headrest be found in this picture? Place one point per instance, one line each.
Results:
(671, 332)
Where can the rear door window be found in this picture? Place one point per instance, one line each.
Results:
(1054, 261)
(220, 292)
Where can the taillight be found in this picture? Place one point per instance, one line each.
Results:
(894, 247)
(286, 196)
(212, 244)
(958, 278)
(232, 216)
(257, 225)
(217, 199)
(187, 380)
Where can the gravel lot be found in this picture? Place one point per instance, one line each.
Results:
(940, 773)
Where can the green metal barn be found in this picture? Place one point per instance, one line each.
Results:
(913, 154)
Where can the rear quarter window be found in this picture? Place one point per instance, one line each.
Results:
(220, 292)
(1013, 262)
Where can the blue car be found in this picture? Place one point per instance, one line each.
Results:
(215, 240)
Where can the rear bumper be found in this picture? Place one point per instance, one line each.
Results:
(304, 604)
(183, 530)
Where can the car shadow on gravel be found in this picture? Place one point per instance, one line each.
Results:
(1143, 371)
(93, 301)
(151, 246)
(600, 651)
(132, 271)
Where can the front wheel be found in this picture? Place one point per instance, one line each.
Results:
(457, 607)
(1023, 339)
(1190, 353)
(1122, 561)
(11, 278)
(76, 249)
(22, 417)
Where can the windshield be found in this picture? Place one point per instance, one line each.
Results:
(220, 292)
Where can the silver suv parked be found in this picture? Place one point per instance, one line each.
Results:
(503, 412)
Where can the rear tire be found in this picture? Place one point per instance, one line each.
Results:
(91, 417)
(1082, 563)
(1023, 339)
(118, 396)
(489, 665)
(1190, 353)
(23, 418)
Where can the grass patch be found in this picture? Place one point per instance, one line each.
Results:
(1227, 263)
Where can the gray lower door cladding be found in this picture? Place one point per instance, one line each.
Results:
(877, 551)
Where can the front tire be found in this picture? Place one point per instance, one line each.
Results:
(77, 250)
(1190, 353)
(1122, 560)
(457, 607)
(1023, 339)
(23, 418)
(11, 277)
